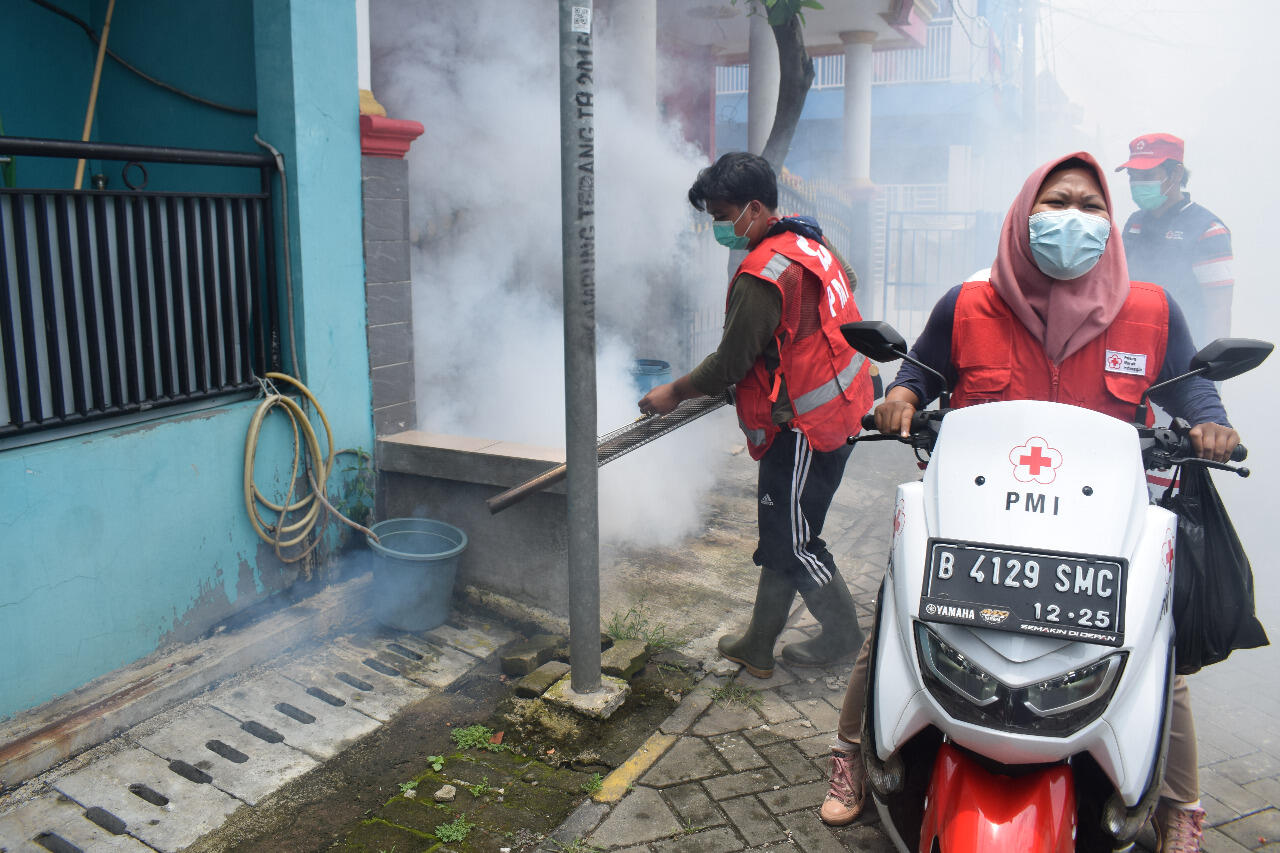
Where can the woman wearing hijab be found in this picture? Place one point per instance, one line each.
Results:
(1057, 320)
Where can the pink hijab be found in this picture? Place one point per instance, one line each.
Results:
(1062, 315)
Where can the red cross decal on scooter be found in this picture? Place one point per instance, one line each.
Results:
(1035, 461)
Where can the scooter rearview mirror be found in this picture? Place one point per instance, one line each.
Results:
(1227, 358)
(880, 342)
(875, 339)
(1222, 359)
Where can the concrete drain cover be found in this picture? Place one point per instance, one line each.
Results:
(156, 803)
(38, 825)
(244, 766)
(414, 658)
(340, 672)
(479, 639)
(273, 708)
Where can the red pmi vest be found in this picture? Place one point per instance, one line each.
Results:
(998, 359)
(828, 382)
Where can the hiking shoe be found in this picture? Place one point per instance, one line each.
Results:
(848, 791)
(1178, 830)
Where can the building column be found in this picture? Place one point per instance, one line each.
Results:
(369, 105)
(763, 74)
(305, 64)
(857, 105)
(388, 284)
(633, 26)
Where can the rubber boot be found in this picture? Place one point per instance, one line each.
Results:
(754, 648)
(832, 606)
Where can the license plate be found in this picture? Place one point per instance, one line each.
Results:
(1045, 593)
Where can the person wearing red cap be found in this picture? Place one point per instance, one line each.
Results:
(1174, 242)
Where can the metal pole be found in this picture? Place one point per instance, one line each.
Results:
(577, 224)
(93, 88)
(1030, 107)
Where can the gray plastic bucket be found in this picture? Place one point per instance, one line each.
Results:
(414, 566)
(648, 373)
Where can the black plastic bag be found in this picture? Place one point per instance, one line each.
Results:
(1212, 580)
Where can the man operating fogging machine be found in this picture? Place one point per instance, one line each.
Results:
(800, 392)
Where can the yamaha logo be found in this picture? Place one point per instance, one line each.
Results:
(931, 609)
(993, 616)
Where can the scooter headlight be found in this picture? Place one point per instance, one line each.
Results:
(955, 671)
(1074, 690)
(1056, 707)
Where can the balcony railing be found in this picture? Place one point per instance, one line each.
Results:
(928, 64)
(114, 303)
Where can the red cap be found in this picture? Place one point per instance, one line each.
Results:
(1147, 152)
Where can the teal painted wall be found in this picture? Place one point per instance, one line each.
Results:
(119, 542)
(179, 42)
(33, 42)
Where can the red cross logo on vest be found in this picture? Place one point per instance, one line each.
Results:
(1114, 361)
(1035, 461)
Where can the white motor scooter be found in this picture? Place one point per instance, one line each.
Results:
(1018, 696)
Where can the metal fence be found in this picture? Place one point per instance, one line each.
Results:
(925, 253)
(119, 302)
(824, 201)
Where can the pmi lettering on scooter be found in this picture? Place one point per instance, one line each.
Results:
(1033, 502)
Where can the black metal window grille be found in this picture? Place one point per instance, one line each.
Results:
(114, 303)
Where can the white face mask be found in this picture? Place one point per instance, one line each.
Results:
(1066, 244)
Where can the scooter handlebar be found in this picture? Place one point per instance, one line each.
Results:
(1165, 448)
(920, 421)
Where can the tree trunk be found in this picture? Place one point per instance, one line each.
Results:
(795, 76)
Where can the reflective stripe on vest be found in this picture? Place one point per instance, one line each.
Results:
(755, 437)
(777, 266)
(828, 391)
(827, 380)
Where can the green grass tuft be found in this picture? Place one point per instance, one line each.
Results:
(634, 624)
(734, 693)
(455, 830)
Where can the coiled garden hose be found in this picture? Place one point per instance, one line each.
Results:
(314, 506)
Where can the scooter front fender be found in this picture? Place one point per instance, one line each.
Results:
(972, 810)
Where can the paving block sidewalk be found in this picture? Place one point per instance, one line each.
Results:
(723, 776)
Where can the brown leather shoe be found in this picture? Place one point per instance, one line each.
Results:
(848, 791)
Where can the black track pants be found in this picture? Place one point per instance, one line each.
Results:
(794, 493)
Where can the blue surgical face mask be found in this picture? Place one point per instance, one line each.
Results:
(1148, 195)
(727, 233)
(1066, 244)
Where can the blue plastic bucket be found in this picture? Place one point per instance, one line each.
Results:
(414, 567)
(648, 373)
